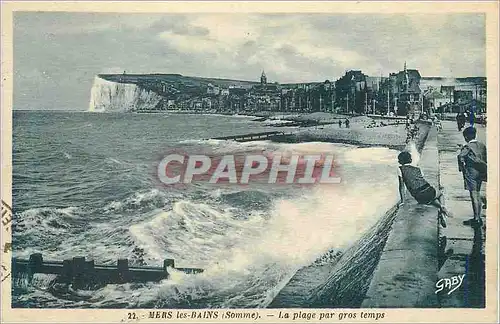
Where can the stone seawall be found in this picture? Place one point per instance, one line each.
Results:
(341, 280)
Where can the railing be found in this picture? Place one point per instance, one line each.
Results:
(82, 273)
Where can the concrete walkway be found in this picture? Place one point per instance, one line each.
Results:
(461, 251)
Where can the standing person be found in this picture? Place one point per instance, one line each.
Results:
(471, 117)
(346, 123)
(463, 119)
(460, 121)
(415, 131)
(425, 194)
(472, 163)
(437, 122)
(409, 135)
(439, 126)
(340, 123)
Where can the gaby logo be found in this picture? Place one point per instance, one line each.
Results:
(452, 283)
(178, 168)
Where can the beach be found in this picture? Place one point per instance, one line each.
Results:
(362, 131)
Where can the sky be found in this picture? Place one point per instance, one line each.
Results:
(57, 55)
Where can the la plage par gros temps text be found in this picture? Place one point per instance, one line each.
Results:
(298, 315)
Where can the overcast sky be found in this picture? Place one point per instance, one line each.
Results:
(57, 55)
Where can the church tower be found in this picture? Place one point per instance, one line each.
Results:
(263, 78)
(407, 79)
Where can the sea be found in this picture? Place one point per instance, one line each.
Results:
(84, 184)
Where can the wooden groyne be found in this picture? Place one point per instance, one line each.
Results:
(82, 273)
(253, 136)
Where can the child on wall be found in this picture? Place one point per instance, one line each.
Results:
(412, 178)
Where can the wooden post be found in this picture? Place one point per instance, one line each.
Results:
(347, 109)
(366, 102)
(78, 272)
(36, 261)
(123, 273)
(78, 265)
(34, 265)
(168, 263)
(90, 266)
(67, 271)
(388, 108)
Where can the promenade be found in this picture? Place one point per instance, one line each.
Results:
(407, 270)
(462, 247)
(419, 255)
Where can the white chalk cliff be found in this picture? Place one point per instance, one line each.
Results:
(120, 97)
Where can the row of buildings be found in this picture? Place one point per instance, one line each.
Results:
(354, 92)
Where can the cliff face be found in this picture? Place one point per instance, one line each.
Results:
(112, 96)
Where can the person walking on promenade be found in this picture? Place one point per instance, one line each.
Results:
(472, 163)
(346, 123)
(340, 123)
(439, 126)
(410, 134)
(415, 132)
(425, 194)
(471, 117)
(460, 121)
(437, 122)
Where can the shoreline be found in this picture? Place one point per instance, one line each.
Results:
(301, 138)
(290, 139)
(391, 136)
